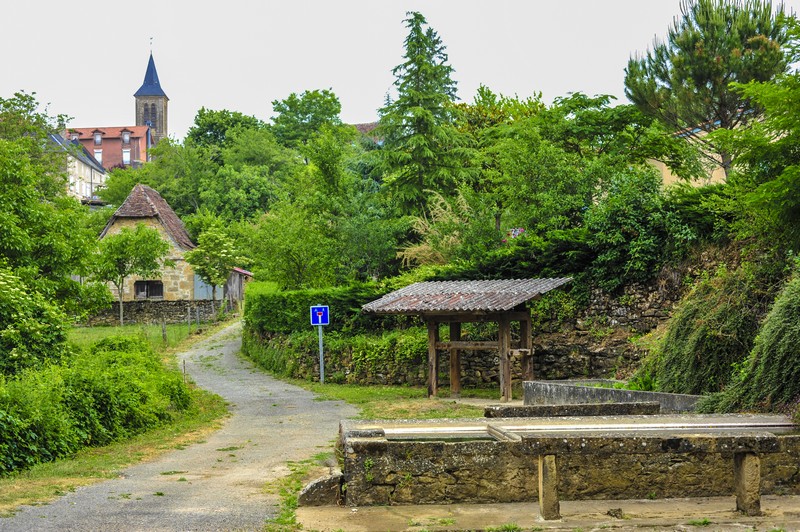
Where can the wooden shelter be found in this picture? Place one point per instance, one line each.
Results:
(456, 302)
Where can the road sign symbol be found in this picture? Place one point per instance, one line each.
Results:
(320, 315)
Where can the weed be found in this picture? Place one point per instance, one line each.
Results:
(173, 472)
(508, 527)
(159, 494)
(232, 448)
(700, 522)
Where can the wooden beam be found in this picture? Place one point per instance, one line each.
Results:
(455, 361)
(433, 359)
(470, 317)
(526, 343)
(505, 362)
(470, 346)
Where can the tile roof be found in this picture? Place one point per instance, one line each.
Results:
(108, 132)
(462, 296)
(144, 202)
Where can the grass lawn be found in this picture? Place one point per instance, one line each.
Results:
(176, 334)
(401, 402)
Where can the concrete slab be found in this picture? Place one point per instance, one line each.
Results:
(702, 513)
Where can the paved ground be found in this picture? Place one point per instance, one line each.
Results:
(216, 485)
(706, 514)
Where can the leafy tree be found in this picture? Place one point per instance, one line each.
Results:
(140, 251)
(211, 128)
(422, 150)
(631, 231)
(213, 259)
(487, 121)
(291, 247)
(301, 116)
(684, 82)
(43, 235)
(178, 172)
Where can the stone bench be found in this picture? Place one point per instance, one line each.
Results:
(745, 449)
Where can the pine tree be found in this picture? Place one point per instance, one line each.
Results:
(422, 151)
(684, 82)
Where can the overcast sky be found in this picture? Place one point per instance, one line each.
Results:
(87, 60)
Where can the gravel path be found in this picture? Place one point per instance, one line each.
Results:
(222, 480)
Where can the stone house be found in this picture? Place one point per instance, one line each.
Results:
(85, 173)
(145, 205)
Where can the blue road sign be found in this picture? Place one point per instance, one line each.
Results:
(320, 315)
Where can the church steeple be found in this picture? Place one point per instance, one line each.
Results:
(151, 103)
(151, 86)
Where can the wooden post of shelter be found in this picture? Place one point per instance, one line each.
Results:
(433, 358)
(455, 360)
(526, 347)
(504, 326)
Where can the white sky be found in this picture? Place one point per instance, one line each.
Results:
(87, 60)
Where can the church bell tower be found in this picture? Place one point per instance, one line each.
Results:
(151, 103)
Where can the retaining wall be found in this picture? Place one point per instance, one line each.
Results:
(570, 392)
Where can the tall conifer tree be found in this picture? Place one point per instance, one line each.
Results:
(422, 150)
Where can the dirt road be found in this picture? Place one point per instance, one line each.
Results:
(215, 485)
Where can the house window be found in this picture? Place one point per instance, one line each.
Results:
(98, 154)
(98, 139)
(126, 137)
(148, 289)
(126, 157)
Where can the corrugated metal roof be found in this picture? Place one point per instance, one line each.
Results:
(462, 296)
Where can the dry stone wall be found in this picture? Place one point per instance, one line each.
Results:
(154, 311)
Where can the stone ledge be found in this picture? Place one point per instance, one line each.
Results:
(586, 409)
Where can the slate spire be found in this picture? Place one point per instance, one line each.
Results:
(150, 86)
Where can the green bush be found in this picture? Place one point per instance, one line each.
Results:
(631, 231)
(114, 390)
(712, 329)
(770, 376)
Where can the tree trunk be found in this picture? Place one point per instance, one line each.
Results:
(119, 293)
(213, 298)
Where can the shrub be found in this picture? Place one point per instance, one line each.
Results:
(712, 329)
(116, 389)
(392, 357)
(770, 376)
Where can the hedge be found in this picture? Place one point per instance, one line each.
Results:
(114, 390)
(271, 311)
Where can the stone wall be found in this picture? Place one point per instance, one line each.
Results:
(597, 343)
(379, 472)
(153, 311)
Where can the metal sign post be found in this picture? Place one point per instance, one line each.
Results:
(320, 317)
